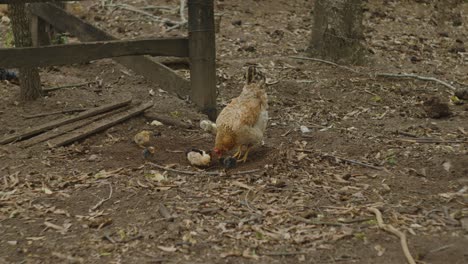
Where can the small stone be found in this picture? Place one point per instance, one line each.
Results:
(93, 157)
(236, 22)
(156, 123)
(305, 129)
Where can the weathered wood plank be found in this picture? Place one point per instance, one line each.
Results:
(53, 124)
(202, 56)
(83, 52)
(143, 65)
(98, 126)
(66, 128)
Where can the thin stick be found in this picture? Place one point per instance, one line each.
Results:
(343, 159)
(390, 75)
(213, 173)
(430, 140)
(315, 222)
(136, 10)
(324, 61)
(65, 86)
(396, 232)
(55, 113)
(102, 201)
(405, 75)
(283, 253)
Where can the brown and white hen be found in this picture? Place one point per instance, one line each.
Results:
(242, 123)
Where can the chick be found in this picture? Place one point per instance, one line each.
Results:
(228, 162)
(148, 152)
(208, 126)
(143, 138)
(198, 158)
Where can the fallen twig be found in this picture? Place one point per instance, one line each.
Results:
(326, 62)
(315, 222)
(396, 232)
(212, 173)
(65, 86)
(405, 75)
(343, 159)
(136, 10)
(55, 113)
(282, 253)
(102, 201)
(390, 75)
(430, 140)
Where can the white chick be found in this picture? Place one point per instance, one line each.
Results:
(198, 158)
(208, 126)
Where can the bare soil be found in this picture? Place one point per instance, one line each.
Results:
(99, 200)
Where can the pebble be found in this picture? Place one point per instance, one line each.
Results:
(93, 157)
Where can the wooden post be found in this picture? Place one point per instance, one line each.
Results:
(39, 34)
(42, 32)
(202, 54)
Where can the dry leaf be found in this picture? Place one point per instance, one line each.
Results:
(380, 250)
(168, 249)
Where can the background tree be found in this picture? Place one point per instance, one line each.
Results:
(30, 83)
(337, 31)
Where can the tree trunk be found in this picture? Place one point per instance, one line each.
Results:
(337, 31)
(30, 83)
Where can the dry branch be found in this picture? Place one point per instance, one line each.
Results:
(324, 61)
(396, 232)
(53, 124)
(390, 75)
(343, 159)
(405, 75)
(102, 201)
(166, 120)
(46, 90)
(431, 141)
(212, 173)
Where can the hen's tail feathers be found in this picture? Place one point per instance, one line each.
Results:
(254, 75)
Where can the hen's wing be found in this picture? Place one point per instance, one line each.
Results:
(239, 113)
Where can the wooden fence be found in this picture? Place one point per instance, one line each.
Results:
(199, 47)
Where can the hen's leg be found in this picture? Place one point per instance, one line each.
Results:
(238, 153)
(244, 159)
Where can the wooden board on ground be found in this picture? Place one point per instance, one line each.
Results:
(98, 126)
(53, 124)
(66, 128)
(143, 65)
(84, 52)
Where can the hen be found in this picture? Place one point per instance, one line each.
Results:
(242, 122)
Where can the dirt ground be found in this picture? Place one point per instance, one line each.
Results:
(100, 201)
